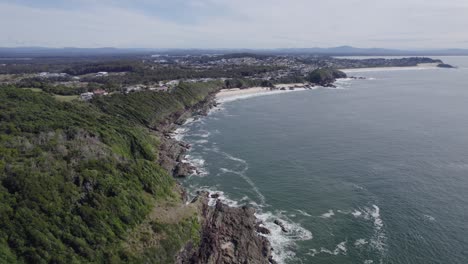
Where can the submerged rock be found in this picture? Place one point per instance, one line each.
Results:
(215, 195)
(280, 224)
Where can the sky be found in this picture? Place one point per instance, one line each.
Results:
(402, 24)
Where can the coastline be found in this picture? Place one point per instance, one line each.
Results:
(421, 66)
(220, 219)
(227, 95)
(228, 233)
(269, 240)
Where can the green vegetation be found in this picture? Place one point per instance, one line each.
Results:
(324, 76)
(156, 240)
(174, 237)
(37, 90)
(150, 108)
(246, 83)
(66, 98)
(114, 66)
(76, 178)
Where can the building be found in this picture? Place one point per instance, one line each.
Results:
(99, 92)
(173, 83)
(131, 89)
(86, 96)
(51, 75)
(159, 89)
(102, 74)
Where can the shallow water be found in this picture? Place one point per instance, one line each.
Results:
(375, 172)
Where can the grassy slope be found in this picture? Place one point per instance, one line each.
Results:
(76, 179)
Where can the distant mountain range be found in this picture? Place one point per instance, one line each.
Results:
(335, 51)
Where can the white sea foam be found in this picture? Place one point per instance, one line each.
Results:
(200, 141)
(360, 242)
(179, 133)
(358, 186)
(373, 214)
(376, 215)
(198, 163)
(328, 214)
(201, 134)
(343, 83)
(368, 261)
(223, 198)
(356, 213)
(189, 120)
(248, 180)
(283, 243)
(312, 252)
(378, 240)
(429, 217)
(303, 213)
(229, 156)
(339, 249)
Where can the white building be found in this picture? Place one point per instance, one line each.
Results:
(86, 96)
(102, 74)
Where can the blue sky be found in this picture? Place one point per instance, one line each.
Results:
(234, 23)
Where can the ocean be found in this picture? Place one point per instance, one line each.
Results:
(375, 171)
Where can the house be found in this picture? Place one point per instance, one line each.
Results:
(86, 96)
(135, 88)
(100, 74)
(159, 89)
(51, 75)
(100, 92)
(173, 83)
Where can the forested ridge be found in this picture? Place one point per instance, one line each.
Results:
(76, 178)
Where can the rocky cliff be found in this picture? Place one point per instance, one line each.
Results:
(325, 76)
(229, 235)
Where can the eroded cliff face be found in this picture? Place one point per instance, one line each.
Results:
(229, 235)
(172, 151)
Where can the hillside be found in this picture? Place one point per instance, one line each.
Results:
(80, 181)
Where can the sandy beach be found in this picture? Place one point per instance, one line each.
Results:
(227, 95)
(422, 66)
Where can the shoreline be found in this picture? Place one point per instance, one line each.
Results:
(217, 218)
(422, 66)
(228, 95)
(271, 232)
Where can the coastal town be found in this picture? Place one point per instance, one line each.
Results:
(70, 78)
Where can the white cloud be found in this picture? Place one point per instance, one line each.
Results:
(243, 23)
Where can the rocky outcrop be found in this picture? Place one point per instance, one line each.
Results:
(229, 235)
(325, 76)
(445, 65)
(172, 151)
